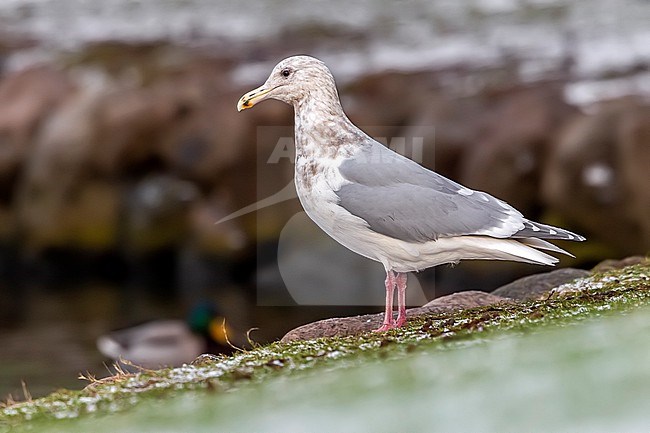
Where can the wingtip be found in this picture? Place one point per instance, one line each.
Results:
(573, 237)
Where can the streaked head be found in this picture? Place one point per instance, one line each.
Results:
(291, 80)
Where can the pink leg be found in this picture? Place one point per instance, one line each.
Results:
(400, 280)
(388, 313)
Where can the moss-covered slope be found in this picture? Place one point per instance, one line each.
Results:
(581, 354)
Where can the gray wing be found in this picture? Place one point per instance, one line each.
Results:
(401, 199)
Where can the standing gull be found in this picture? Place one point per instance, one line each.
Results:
(383, 205)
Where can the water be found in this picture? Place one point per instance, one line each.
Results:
(594, 39)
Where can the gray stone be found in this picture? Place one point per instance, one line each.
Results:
(344, 326)
(538, 285)
(611, 264)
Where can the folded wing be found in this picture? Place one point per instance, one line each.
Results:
(399, 198)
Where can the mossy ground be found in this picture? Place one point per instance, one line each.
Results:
(224, 386)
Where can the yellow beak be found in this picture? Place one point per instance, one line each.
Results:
(253, 97)
(219, 330)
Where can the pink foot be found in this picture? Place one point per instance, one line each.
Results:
(400, 322)
(394, 325)
(385, 327)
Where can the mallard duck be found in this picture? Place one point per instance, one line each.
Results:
(168, 343)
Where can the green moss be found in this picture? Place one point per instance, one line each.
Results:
(617, 291)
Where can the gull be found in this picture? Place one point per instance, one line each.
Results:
(387, 207)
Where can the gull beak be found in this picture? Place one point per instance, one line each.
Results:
(253, 97)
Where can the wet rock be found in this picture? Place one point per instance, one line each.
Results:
(467, 299)
(387, 99)
(163, 108)
(585, 179)
(539, 285)
(339, 327)
(206, 136)
(634, 140)
(518, 129)
(27, 98)
(57, 175)
(127, 126)
(144, 63)
(448, 128)
(612, 264)
(94, 137)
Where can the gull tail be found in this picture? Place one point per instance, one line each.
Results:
(529, 252)
(488, 248)
(541, 244)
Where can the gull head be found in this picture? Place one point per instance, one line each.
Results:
(292, 80)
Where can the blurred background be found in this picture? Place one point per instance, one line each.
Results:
(120, 147)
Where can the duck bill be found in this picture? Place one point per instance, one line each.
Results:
(253, 97)
(219, 331)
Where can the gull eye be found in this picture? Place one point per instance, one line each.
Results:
(286, 72)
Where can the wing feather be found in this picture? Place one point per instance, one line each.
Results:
(399, 198)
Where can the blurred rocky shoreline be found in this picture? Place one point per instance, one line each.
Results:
(136, 148)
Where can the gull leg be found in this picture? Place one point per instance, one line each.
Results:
(388, 313)
(400, 280)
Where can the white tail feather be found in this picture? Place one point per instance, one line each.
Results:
(544, 245)
(450, 250)
(524, 253)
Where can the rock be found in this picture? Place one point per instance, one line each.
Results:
(207, 136)
(518, 128)
(56, 178)
(411, 114)
(126, 126)
(340, 327)
(482, 275)
(466, 299)
(634, 142)
(26, 100)
(164, 117)
(388, 99)
(612, 264)
(94, 136)
(449, 128)
(585, 179)
(163, 107)
(537, 286)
